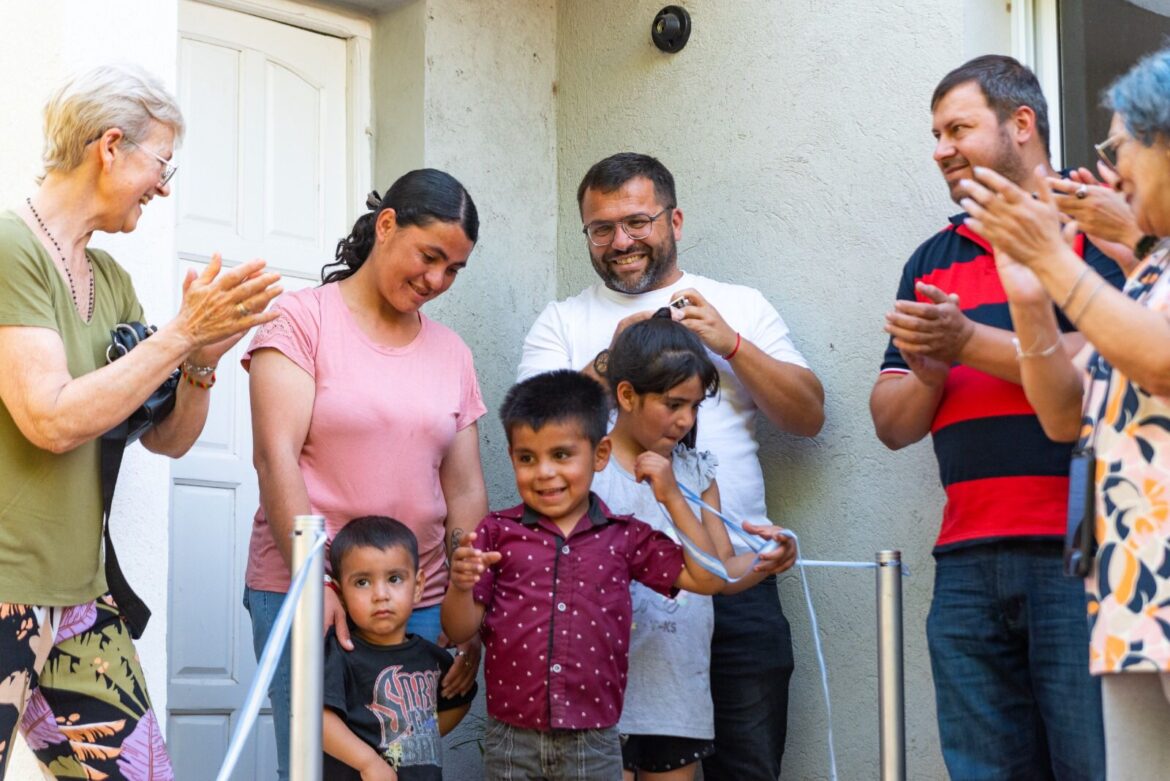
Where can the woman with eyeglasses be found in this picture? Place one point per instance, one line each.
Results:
(363, 405)
(69, 673)
(1113, 399)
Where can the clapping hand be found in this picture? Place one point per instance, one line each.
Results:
(220, 306)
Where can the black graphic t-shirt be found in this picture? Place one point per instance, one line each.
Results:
(389, 697)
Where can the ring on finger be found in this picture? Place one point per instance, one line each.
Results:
(1082, 191)
(243, 310)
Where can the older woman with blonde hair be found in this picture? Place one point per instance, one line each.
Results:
(69, 673)
(1113, 399)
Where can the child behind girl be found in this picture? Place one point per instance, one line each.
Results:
(659, 373)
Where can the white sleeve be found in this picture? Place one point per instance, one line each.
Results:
(546, 347)
(768, 332)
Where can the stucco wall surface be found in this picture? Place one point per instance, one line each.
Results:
(40, 43)
(799, 137)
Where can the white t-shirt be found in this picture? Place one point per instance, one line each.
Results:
(568, 335)
(668, 691)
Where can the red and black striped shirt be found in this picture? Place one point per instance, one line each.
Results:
(1003, 477)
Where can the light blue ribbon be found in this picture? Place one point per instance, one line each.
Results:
(762, 546)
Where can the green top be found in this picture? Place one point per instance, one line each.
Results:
(51, 505)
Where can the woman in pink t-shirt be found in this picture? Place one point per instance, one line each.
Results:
(361, 405)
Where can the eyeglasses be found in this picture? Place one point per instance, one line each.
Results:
(636, 226)
(169, 169)
(1107, 150)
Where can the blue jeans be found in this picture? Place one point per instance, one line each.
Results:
(515, 754)
(263, 607)
(1009, 649)
(751, 664)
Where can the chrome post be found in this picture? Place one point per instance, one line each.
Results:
(308, 655)
(891, 686)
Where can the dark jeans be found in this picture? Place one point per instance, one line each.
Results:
(1009, 649)
(751, 664)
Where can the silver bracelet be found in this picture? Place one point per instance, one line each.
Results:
(1073, 290)
(1021, 354)
(1088, 302)
(197, 370)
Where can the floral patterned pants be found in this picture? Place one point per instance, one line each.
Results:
(77, 694)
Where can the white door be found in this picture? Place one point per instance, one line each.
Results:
(264, 175)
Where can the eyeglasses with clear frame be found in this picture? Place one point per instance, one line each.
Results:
(636, 226)
(1107, 150)
(169, 169)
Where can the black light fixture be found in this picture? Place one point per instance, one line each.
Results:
(671, 29)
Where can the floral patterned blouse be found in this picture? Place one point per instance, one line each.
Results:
(1129, 587)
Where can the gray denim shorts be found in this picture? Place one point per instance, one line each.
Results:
(516, 754)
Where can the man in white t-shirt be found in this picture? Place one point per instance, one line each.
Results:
(632, 225)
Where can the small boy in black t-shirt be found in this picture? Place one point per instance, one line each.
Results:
(383, 709)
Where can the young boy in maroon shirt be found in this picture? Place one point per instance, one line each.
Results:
(547, 584)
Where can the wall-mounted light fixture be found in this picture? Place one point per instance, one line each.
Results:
(671, 29)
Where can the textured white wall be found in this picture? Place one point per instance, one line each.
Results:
(799, 136)
(40, 43)
(398, 52)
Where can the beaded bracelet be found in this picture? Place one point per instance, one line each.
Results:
(190, 378)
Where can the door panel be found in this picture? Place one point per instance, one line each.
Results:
(264, 176)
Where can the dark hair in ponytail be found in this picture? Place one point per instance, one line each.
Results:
(657, 354)
(418, 198)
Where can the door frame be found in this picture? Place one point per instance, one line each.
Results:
(357, 33)
(1036, 43)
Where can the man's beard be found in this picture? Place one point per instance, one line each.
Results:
(660, 262)
(1007, 162)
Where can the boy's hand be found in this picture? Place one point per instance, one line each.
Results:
(335, 617)
(378, 770)
(778, 560)
(656, 470)
(468, 563)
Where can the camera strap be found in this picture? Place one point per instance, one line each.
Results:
(131, 607)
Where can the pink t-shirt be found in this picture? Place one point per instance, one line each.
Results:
(383, 419)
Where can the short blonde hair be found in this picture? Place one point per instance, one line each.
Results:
(88, 104)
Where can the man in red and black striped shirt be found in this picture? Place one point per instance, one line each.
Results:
(1007, 631)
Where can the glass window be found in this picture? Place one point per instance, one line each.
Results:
(1099, 41)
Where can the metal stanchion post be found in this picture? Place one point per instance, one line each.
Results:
(891, 692)
(308, 653)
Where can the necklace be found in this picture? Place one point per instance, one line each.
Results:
(65, 264)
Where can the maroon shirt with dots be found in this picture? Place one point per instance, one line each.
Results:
(556, 627)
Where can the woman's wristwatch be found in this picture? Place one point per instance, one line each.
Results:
(1143, 246)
